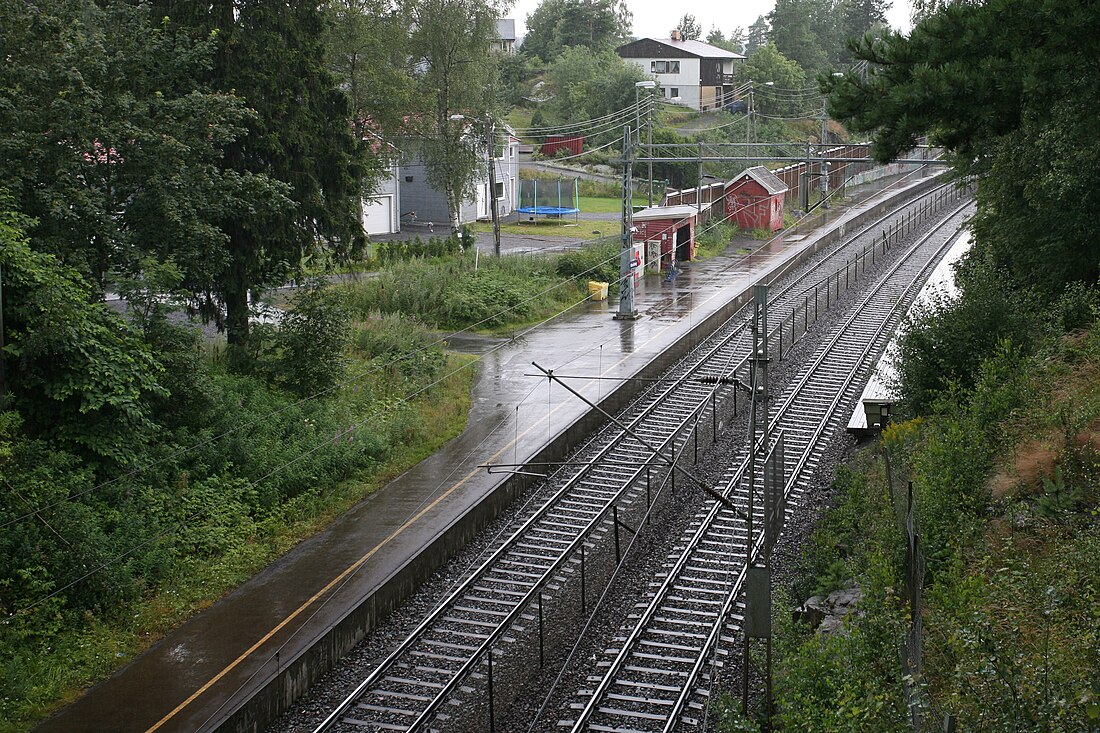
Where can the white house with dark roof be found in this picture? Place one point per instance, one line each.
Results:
(700, 74)
(506, 36)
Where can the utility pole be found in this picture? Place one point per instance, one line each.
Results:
(648, 85)
(649, 145)
(758, 421)
(627, 310)
(699, 184)
(824, 168)
(748, 117)
(489, 130)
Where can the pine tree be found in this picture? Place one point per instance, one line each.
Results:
(272, 55)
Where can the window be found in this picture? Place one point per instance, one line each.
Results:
(500, 190)
(664, 67)
(674, 92)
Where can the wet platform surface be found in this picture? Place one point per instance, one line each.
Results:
(198, 674)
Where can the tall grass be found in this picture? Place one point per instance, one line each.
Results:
(495, 293)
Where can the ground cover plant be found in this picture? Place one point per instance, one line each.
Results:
(1004, 466)
(111, 537)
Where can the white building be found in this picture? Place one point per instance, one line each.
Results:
(381, 211)
(422, 202)
(700, 74)
(506, 36)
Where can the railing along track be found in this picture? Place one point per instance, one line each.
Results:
(656, 666)
(407, 690)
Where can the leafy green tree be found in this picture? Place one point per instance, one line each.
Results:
(736, 41)
(305, 353)
(77, 372)
(557, 24)
(861, 16)
(456, 86)
(945, 342)
(367, 50)
(921, 9)
(112, 143)
(1009, 88)
(787, 79)
(588, 85)
(689, 27)
(298, 146)
(801, 30)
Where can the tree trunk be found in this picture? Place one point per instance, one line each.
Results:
(454, 204)
(236, 299)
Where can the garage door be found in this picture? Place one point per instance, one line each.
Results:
(378, 215)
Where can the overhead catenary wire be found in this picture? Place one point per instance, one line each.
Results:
(324, 443)
(343, 433)
(352, 575)
(580, 123)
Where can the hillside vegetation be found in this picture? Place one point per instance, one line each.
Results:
(998, 428)
(1005, 478)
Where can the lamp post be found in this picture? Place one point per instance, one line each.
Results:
(489, 142)
(648, 84)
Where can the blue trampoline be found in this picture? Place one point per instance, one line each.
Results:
(553, 199)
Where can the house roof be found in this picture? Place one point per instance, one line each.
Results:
(665, 212)
(691, 48)
(506, 29)
(771, 182)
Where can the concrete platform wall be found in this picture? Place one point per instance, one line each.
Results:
(296, 675)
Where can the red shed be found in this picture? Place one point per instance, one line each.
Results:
(553, 143)
(668, 233)
(755, 199)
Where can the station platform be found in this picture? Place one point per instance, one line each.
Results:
(879, 396)
(199, 676)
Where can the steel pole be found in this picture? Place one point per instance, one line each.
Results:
(626, 254)
(3, 377)
(649, 145)
(493, 190)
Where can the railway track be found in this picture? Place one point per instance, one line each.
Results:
(613, 471)
(659, 675)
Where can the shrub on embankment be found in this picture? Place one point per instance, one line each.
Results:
(1002, 446)
(106, 545)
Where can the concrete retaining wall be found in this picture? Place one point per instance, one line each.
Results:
(296, 675)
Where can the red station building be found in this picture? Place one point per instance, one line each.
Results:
(664, 234)
(755, 199)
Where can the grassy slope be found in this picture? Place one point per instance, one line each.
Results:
(1009, 514)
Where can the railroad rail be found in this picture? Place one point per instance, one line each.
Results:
(657, 666)
(615, 468)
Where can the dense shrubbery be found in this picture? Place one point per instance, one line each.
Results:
(194, 467)
(1005, 469)
(597, 262)
(451, 294)
(714, 239)
(401, 250)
